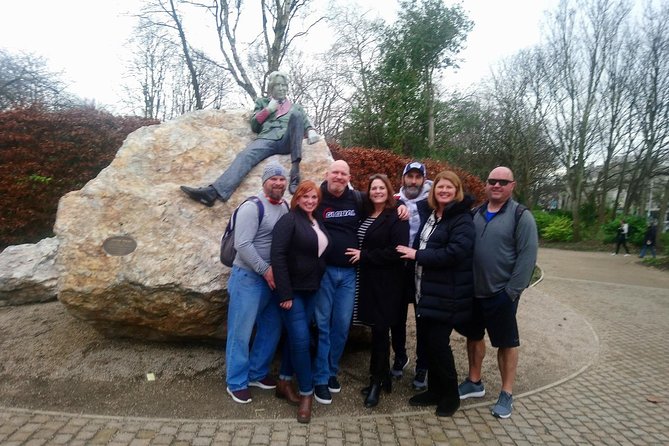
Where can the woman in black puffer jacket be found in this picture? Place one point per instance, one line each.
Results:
(444, 283)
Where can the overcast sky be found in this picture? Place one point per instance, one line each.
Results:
(85, 38)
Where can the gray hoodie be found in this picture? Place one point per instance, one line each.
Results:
(414, 218)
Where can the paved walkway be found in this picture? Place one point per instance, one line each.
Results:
(619, 397)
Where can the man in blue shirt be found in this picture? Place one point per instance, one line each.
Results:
(504, 257)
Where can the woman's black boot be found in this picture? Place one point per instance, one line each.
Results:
(386, 385)
(372, 399)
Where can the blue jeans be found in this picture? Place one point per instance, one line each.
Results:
(251, 304)
(258, 150)
(644, 247)
(296, 356)
(334, 309)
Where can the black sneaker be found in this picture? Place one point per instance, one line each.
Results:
(333, 385)
(400, 363)
(322, 394)
(420, 380)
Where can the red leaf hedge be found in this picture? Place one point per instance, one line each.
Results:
(365, 162)
(44, 155)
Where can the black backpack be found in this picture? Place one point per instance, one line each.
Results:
(228, 251)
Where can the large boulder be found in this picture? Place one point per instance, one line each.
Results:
(28, 273)
(139, 258)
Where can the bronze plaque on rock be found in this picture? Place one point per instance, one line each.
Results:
(119, 245)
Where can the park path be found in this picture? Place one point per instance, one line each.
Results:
(619, 397)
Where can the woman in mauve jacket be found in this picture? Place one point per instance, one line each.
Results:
(381, 278)
(443, 254)
(299, 242)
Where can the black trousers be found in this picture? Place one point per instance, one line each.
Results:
(399, 338)
(442, 378)
(379, 364)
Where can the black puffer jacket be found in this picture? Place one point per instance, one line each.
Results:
(447, 282)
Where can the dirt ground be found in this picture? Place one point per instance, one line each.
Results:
(51, 361)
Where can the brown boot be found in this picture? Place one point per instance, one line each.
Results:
(284, 390)
(304, 411)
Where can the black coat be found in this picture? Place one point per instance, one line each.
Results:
(382, 275)
(447, 282)
(294, 255)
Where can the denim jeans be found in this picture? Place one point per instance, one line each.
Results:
(258, 150)
(251, 304)
(333, 312)
(645, 247)
(296, 357)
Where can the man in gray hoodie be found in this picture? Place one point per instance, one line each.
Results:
(415, 188)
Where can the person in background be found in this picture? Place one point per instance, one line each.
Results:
(251, 287)
(504, 258)
(381, 278)
(299, 243)
(649, 240)
(621, 238)
(280, 125)
(443, 253)
(415, 189)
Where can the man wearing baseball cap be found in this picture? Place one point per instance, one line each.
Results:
(250, 287)
(415, 188)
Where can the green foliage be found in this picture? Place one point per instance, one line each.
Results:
(559, 229)
(637, 229)
(39, 178)
(588, 213)
(394, 113)
(663, 240)
(543, 219)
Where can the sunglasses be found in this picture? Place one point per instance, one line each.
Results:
(492, 182)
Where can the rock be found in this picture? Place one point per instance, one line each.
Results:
(139, 258)
(28, 273)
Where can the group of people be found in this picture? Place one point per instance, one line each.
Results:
(300, 268)
(649, 239)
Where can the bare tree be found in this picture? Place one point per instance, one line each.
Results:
(148, 70)
(653, 103)
(164, 13)
(579, 47)
(26, 81)
(519, 138)
(275, 33)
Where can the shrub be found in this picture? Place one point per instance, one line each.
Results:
(637, 229)
(560, 229)
(365, 162)
(44, 155)
(543, 219)
(663, 240)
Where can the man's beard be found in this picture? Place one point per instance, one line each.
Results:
(412, 192)
(276, 193)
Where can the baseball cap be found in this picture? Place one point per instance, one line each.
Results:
(415, 165)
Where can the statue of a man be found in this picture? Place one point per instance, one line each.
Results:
(281, 127)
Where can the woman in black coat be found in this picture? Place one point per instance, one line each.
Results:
(299, 243)
(443, 255)
(381, 278)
